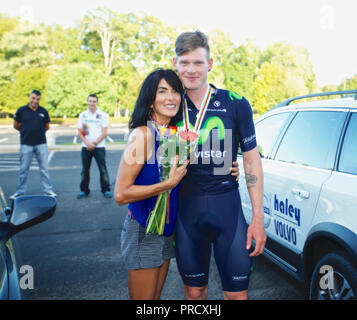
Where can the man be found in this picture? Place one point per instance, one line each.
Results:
(33, 121)
(92, 130)
(210, 211)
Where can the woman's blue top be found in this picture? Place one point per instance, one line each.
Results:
(149, 175)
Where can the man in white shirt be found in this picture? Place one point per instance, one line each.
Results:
(92, 130)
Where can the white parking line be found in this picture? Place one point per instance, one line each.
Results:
(50, 156)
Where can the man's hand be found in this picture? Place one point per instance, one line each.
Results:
(235, 170)
(91, 146)
(256, 231)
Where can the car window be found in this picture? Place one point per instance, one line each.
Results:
(348, 159)
(312, 139)
(267, 131)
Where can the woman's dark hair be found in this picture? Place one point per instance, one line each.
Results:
(147, 95)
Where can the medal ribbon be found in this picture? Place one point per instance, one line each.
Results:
(201, 113)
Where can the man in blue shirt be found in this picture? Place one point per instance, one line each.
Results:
(33, 121)
(210, 211)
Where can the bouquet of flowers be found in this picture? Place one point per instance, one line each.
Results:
(173, 142)
(85, 129)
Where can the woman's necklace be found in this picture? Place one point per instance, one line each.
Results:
(158, 127)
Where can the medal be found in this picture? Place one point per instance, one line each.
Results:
(200, 115)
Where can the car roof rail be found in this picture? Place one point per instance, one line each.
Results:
(312, 95)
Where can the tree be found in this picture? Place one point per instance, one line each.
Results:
(268, 89)
(127, 84)
(68, 90)
(24, 47)
(349, 84)
(7, 24)
(156, 45)
(25, 81)
(68, 46)
(117, 33)
(295, 59)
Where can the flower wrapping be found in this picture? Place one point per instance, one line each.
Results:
(173, 142)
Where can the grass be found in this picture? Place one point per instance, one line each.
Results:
(78, 143)
(73, 121)
(64, 122)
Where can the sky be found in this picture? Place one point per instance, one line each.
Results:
(326, 28)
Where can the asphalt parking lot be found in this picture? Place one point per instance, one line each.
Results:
(76, 254)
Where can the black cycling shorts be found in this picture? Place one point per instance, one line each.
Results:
(208, 219)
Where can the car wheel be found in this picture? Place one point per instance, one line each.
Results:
(334, 278)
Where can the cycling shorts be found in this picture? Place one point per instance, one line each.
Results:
(213, 220)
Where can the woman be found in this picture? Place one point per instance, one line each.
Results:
(147, 256)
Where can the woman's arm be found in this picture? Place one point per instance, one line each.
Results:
(136, 153)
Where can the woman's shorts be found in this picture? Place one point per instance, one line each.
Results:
(144, 251)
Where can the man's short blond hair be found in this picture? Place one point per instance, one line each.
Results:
(189, 41)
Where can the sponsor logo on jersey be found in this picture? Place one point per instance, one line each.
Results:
(217, 103)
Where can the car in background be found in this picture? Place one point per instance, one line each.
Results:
(309, 157)
(25, 212)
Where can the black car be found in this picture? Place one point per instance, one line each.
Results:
(25, 212)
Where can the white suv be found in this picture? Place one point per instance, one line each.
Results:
(309, 156)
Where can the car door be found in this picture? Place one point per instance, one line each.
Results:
(4, 290)
(338, 200)
(302, 162)
(267, 130)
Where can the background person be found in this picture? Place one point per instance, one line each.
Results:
(33, 121)
(92, 130)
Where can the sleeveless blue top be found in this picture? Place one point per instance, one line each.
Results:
(149, 175)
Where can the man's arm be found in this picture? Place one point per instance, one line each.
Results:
(17, 125)
(102, 136)
(90, 145)
(254, 179)
(47, 126)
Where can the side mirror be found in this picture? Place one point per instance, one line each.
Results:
(28, 211)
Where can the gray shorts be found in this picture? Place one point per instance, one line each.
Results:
(144, 251)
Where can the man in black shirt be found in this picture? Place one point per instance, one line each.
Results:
(33, 121)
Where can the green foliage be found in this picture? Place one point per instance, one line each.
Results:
(26, 46)
(127, 83)
(268, 87)
(294, 59)
(110, 53)
(7, 24)
(68, 90)
(237, 66)
(349, 84)
(25, 81)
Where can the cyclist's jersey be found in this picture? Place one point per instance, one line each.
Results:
(227, 125)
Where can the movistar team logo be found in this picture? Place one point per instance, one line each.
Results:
(233, 96)
(208, 126)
